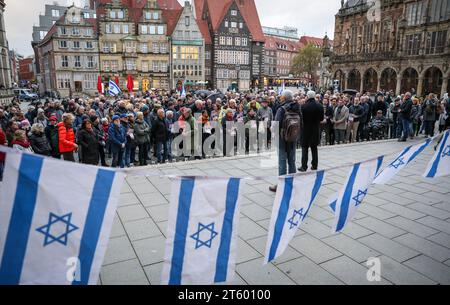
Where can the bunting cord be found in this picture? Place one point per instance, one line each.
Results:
(136, 172)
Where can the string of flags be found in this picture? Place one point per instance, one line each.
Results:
(54, 226)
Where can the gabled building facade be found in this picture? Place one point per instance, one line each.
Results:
(237, 43)
(133, 41)
(188, 50)
(68, 55)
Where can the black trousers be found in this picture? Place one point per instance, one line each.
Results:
(315, 157)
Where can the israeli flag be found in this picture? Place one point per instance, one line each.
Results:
(183, 90)
(114, 90)
(354, 191)
(409, 154)
(202, 231)
(55, 220)
(294, 198)
(439, 166)
(281, 90)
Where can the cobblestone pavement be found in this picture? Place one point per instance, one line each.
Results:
(405, 223)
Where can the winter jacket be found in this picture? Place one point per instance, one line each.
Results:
(66, 138)
(88, 140)
(340, 118)
(405, 109)
(429, 110)
(357, 111)
(160, 130)
(117, 135)
(40, 145)
(21, 145)
(265, 113)
(141, 132)
(51, 133)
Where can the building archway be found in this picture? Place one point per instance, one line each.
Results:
(432, 81)
(354, 80)
(388, 81)
(340, 77)
(410, 80)
(370, 81)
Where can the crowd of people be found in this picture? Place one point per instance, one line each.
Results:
(138, 129)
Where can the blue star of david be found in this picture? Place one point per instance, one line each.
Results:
(62, 238)
(360, 197)
(196, 236)
(397, 163)
(294, 220)
(446, 152)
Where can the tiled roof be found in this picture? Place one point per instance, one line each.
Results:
(171, 17)
(314, 40)
(274, 43)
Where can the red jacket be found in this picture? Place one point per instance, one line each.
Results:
(2, 142)
(66, 138)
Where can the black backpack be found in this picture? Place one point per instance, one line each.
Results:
(291, 126)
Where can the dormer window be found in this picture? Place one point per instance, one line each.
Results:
(148, 15)
(120, 14)
(233, 13)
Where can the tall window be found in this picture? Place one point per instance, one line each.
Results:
(229, 41)
(353, 40)
(77, 61)
(367, 37)
(126, 29)
(76, 44)
(62, 44)
(187, 21)
(413, 44)
(414, 13)
(144, 47)
(439, 10)
(385, 34)
(89, 45)
(75, 31)
(55, 13)
(64, 61)
(90, 62)
(435, 42)
(155, 47)
(222, 40)
(144, 66)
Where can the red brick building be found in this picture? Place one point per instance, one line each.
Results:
(26, 71)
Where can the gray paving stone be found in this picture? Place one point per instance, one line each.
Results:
(376, 212)
(154, 273)
(117, 228)
(261, 199)
(419, 198)
(162, 225)
(124, 273)
(260, 244)
(411, 226)
(159, 213)
(143, 188)
(254, 273)
(443, 206)
(313, 248)
(441, 238)
(132, 212)
(424, 246)
(255, 212)
(152, 199)
(141, 229)
(306, 272)
(380, 227)
(249, 229)
(349, 271)
(432, 269)
(430, 210)
(435, 223)
(403, 211)
(245, 252)
(388, 247)
(119, 249)
(350, 247)
(128, 199)
(316, 228)
(150, 250)
(399, 274)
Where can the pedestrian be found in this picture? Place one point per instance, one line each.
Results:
(20, 141)
(289, 118)
(160, 133)
(340, 118)
(51, 133)
(66, 137)
(429, 115)
(118, 139)
(38, 140)
(88, 141)
(142, 137)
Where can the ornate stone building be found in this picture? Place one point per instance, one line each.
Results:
(399, 45)
(68, 55)
(234, 56)
(133, 41)
(188, 49)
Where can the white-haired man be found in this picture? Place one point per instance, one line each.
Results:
(313, 115)
(289, 118)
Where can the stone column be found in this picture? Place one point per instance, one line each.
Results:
(361, 84)
(419, 88)
(379, 83)
(399, 85)
(444, 86)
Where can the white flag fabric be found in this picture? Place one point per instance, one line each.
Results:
(293, 200)
(55, 220)
(354, 191)
(439, 166)
(409, 154)
(114, 89)
(202, 231)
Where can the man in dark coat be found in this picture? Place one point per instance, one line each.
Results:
(160, 133)
(405, 116)
(87, 139)
(313, 114)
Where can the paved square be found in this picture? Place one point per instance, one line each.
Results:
(405, 223)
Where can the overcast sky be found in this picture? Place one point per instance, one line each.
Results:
(310, 17)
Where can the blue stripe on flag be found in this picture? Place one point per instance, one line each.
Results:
(417, 152)
(281, 219)
(435, 165)
(346, 198)
(227, 230)
(21, 219)
(94, 222)
(315, 191)
(179, 244)
(379, 163)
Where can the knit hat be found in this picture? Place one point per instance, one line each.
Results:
(115, 117)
